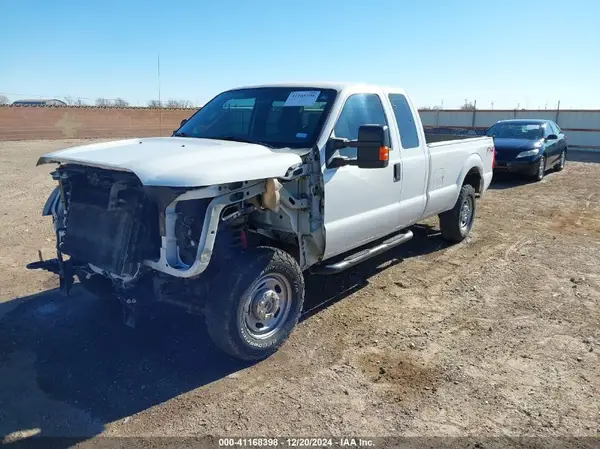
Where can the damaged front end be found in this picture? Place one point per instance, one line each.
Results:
(142, 243)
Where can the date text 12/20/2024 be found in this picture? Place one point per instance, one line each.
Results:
(296, 442)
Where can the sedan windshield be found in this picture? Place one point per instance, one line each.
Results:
(528, 131)
(273, 116)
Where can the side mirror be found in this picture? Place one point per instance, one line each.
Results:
(180, 125)
(552, 137)
(372, 148)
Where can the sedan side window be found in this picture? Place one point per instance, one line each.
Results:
(360, 109)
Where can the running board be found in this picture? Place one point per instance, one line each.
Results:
(363, 255)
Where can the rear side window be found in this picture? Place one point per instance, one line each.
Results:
(360, 109)
(405, 120)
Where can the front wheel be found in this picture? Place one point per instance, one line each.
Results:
(256, 304)
(541, 170)
(456, 223)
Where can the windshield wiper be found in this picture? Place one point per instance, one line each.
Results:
(241, 139)
(228, 138)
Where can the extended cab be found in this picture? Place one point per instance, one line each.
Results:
(259, 186)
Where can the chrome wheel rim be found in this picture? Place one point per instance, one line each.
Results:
(466, 213)
(542, 168)
(562, 159)
(267, 306)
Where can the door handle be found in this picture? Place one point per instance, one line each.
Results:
(397, 172)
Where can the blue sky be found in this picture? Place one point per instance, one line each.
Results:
(530, 53)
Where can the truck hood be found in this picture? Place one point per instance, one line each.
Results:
(181, 161)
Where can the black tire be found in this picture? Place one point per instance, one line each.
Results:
(560, 165)
(541, 171)
(452, 225)
(227, 320)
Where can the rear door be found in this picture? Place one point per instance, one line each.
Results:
(552, 146)
(414, 160)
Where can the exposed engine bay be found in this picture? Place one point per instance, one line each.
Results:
(110, 221)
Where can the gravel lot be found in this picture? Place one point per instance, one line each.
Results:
(499, 335)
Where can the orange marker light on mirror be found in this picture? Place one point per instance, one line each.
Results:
(384, 153)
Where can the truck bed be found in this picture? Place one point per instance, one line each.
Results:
(433, 135)
(450, 161)
(452, 140)
(434, 138)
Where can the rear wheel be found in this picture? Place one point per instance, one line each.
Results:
(456, 223)
(562, 161)
(256, 304)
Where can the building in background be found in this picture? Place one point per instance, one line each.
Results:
(47, 102)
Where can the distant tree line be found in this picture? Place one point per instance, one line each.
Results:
(170, 104)
(468, 106)
(111, 103)
(116, 102)
(121, 103)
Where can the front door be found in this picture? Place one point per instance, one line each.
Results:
(360, 204)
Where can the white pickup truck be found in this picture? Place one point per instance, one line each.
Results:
(259, 186)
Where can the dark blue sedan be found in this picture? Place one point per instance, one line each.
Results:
(528, 147)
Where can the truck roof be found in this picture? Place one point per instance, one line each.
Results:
(339, 86)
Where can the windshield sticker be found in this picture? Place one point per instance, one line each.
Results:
(301, 135)
(530, 127)
(302, 98)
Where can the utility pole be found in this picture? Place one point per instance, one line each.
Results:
(159, 101)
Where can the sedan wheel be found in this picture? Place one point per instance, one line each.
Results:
(561, 162)
(541, 169)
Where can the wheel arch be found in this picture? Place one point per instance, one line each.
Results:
(474, 178)
(472, 174)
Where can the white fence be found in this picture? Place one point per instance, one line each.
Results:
(582, 127)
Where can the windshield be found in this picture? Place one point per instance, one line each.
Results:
(529, 131)
(273, 116)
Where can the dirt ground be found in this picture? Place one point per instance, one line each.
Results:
(499, 335)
